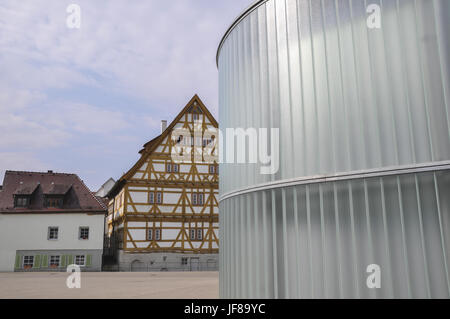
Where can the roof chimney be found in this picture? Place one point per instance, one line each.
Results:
(163, 125)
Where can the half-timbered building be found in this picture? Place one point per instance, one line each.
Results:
(163, 212)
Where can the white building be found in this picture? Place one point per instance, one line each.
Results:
(48, 221)
(106, 187)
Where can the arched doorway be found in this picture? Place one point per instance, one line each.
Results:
(137, 265)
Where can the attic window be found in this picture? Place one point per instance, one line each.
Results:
(54, 201)
(21, 201)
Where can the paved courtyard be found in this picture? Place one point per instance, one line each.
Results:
(170, 285)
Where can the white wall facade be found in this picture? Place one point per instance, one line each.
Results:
(29, 232)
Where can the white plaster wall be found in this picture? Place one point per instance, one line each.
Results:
(139, 197)
(29, 232)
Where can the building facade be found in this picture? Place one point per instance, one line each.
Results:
(359, 207)
(49, 221)
(163, 213)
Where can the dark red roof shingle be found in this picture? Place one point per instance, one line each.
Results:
(77, 196)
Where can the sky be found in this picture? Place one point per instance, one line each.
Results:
(84, 100)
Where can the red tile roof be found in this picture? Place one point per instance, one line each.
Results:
(77, 197)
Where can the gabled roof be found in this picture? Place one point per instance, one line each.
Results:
(150, 146)
(37, 185)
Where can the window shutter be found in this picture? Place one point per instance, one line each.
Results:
(70, 260)
(44, 261)
(37, 261)
(63, 261)
(88, 260)
(18, 260)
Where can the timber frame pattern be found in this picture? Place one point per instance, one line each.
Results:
(160, 206)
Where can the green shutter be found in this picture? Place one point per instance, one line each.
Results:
(63, 261)
(37, 261)
(44, 261)
(70, 260)
(88, 260)
(18, 260)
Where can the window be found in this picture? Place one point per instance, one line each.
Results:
(54, 261)
(206, 142)
(158, 234)
(80, 260)
(151, 198)
(196, 234)
(154, 234)
(150, 234)
(172, 168)
(21, 201)
(52, 233)
(212, 169)
(180, 138)
(84, 233)
(184, 261)
(158, 197)
(197, 199)
(195, 116)
(56, 202)
(28, 261)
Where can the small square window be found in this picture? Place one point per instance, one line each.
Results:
(184, 261)
(54, 261)
(84, 233)
(52, 233)
(28, 262)
(80, 260)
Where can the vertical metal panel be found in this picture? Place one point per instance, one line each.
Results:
(345, 98)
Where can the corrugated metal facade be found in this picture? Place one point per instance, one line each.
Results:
(367, 107)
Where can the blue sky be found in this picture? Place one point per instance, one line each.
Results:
(85, 100)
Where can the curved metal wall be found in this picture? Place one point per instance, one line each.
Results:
(346, 99)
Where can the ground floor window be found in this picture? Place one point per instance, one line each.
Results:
(54, 261)
(80, 260)
(184, 261)
(28, 261)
